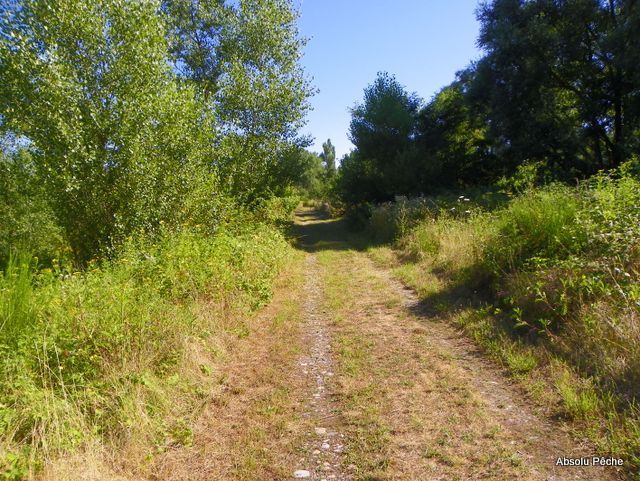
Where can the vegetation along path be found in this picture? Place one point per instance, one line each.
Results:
(347, 376)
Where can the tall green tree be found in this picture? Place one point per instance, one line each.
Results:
(263, 96)
(306, 171)
(453, 139)
(245, 57)
(197, 33)
(561, 79)
(115, 139)
(328, 157)
(383, 130)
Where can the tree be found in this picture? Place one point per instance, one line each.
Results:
(263, 95)
(561, 80)
(328, 157)
(244, 59)
(452, 134)
(356, 180)
(196, 39)
(115, 140)
(383, 131)
(309, 172)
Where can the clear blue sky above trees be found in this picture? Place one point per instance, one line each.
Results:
(422, 42)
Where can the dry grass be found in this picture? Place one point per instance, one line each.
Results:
(250, 423)
(585, 371)
(228, 408)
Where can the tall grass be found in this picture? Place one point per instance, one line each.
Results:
(118, 356)
(540, 224)
(17, 309)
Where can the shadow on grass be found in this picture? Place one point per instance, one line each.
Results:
(315, 231)
(454, 298)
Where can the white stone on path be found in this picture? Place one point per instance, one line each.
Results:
(302, 473)
(321, 431)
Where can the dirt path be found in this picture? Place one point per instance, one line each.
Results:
(323, 447)
(346, 377)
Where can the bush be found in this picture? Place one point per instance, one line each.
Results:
(392, 220)
(560, 268)
(278, 211)
(537, 225)
(26, 220)
(358, 215)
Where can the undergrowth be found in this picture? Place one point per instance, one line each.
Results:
(120, 355)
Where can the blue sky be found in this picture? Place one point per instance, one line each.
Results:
(422, 42)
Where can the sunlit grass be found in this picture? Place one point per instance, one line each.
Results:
(118, 354)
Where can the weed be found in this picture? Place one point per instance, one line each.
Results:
(521, 361)
(580, 401)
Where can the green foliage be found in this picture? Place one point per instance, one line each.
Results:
(381, 128)
(539, 224)
(303, 170)
(121, 141)
(581, 402)
(453, 140)
(262, 96)
(578, 246)
(395, 219)
(549, 96)
(243, 59)
(612, 220)
(278, 211)
(520, 361)
(328, 157)
(526, 177)
(197, 39)
(26, 219)
(555, 98)
(78, 348)
(117, 142)
(18, 309)
(155, 148)
(557, 269)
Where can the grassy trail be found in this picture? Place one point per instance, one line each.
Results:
(419, 401)
(347, 376)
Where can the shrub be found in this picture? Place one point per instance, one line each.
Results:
(26, 220)
(278, 210)
(563, 269)
(537, 225)
(392, 220)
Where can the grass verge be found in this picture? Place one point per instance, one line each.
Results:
(121, 357)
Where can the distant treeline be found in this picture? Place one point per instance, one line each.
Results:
(557, 93)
